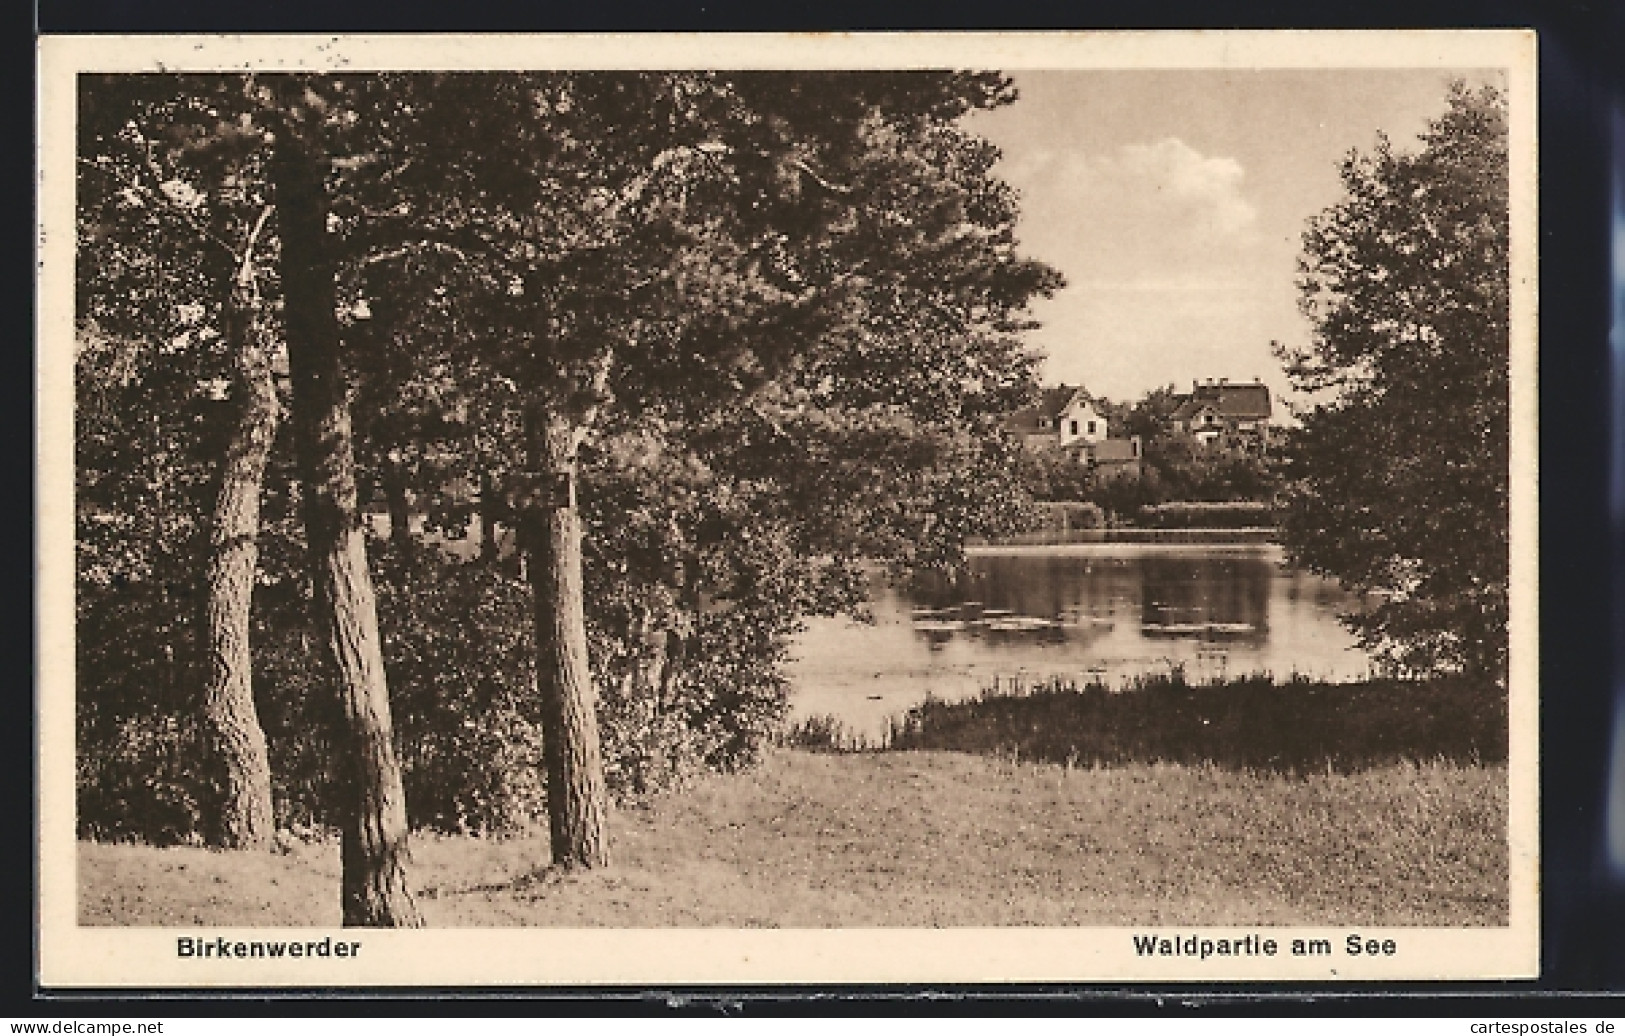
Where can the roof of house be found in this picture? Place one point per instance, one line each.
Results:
(1114, 451)
(1244, 401)
(1051, 403)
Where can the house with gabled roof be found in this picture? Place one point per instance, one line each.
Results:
(1064, 416)
(1225, 414)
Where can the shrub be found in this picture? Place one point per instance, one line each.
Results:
(1252, 722)
(137, 772)
(823, 733)
(685, 685)
(457, 648)
(142, 782)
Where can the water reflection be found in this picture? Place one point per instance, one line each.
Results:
(1096, 611)
(1188, 593)
(1205, 596)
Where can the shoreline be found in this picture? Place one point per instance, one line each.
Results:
(1123, 547)
(1210, 537)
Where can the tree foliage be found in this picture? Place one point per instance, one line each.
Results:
(781, 312)
(1398, 478)
(803, 284)
(177, 410)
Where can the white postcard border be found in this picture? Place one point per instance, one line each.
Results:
(75, 956)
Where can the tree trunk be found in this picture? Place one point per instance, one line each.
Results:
(400, 507)
(576, 799)
(247, 819)
(488, 518)
(370, 800)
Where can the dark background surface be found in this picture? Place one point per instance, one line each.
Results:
(1582, 91)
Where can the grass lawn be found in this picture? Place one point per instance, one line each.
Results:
(920, 839)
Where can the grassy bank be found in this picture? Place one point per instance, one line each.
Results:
(920, 838)
(1296, 726)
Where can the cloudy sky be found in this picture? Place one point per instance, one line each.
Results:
(1174, 201)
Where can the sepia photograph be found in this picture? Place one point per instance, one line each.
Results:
(897, 508)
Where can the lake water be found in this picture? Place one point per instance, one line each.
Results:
(1104, 611)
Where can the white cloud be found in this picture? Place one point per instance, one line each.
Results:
(1169, 269)
(1163, 182)
(1171, 173)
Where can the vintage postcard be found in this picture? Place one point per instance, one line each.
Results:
(899, 508)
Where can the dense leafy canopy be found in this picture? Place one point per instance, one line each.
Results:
(1398, 479)
(782, 312)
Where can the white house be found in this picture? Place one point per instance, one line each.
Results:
(1064, 417)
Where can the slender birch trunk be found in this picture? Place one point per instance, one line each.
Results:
(247, 818)
(488, 518)
(370, 798)
(576, 798)
(400, 508)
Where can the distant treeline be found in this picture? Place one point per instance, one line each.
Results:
(1071, 515)
(1064, 521)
